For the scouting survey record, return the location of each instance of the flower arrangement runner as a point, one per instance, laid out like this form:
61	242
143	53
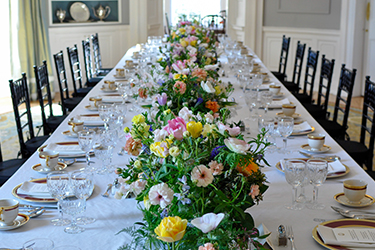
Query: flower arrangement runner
193	173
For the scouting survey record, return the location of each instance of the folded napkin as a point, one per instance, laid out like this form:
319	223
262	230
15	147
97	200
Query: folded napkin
304	126
329	236
91	120
66	149
336	167
39	190
111	98
278	103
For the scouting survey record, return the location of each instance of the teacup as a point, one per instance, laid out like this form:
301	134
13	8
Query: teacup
8	211
75	126
135	54
289	109
316	141
120	72
129	64
94	101
355	190
109	85
275	89
249	58
256	67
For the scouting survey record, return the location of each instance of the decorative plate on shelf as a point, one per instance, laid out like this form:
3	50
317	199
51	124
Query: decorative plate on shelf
79	12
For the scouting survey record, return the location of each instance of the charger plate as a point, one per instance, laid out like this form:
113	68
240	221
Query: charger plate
338	224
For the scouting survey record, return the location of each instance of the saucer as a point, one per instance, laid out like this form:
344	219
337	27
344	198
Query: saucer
21	220
366	201
295	115
89	107
280	95
119	77
38	168
108	90
307	148
69	133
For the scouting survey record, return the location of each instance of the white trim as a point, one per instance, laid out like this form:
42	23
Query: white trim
301	30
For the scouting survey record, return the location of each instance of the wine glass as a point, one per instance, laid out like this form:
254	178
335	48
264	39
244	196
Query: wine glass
59	186
82	183
295	172
124	90
285	128
317	170
38	244
268	123
251	98
104	112
266	98
86	139
104	154
73	206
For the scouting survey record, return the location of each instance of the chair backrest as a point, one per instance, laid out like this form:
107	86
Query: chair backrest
284	55
96	52
325	81
167	25
44	93
75	67
20	98
342	105
87	59
310	72
368	105
61	77
298	61
214	22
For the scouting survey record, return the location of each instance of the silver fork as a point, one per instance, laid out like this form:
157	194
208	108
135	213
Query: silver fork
289	233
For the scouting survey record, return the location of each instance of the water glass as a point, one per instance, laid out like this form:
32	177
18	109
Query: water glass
86	141
266	98
104	112
73	207
295	172
317	170
104	154
38	244
285	128
251	98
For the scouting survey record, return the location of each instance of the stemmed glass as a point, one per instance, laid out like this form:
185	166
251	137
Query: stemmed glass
104	113
317	170
251	98
104	154
86	139
124	90
58	186
268	123
82	183
295	171
73	206
266	99
285	128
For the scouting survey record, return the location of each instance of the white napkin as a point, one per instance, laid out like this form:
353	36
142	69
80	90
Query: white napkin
328	237
278	103
66	150
262	231
336	167
91	120
111	98
39	190
304	126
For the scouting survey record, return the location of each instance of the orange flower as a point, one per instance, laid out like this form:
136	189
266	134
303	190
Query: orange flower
133	147
142	93
248	169
200	73
214	106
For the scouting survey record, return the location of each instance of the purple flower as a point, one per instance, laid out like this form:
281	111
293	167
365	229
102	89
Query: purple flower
164	213
162	99
199	101
216	151
161	82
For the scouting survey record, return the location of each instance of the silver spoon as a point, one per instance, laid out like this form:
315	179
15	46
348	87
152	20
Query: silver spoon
36	213
68	162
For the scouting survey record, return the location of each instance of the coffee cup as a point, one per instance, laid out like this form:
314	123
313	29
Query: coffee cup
8	211
48	158
289	109
256	67
75	126
109	85
120	72
316	141
355	190
94	101
129	64
135	54
275	89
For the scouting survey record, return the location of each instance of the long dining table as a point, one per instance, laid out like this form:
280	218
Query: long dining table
112	215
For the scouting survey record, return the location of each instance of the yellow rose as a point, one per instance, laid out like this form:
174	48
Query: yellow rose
171	229
208	128
138	119
193	43
217	90
195	128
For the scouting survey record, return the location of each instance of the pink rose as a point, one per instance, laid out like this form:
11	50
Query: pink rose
176	127
200	73
179	87
207	246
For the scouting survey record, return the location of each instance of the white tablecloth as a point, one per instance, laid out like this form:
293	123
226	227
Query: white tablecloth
113	215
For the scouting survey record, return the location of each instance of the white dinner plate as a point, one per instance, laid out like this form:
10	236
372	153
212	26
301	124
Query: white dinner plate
79	12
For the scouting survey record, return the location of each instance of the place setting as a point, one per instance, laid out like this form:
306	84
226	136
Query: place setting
10	218
120	73
109	87
49	161
93	103
354	194
315	144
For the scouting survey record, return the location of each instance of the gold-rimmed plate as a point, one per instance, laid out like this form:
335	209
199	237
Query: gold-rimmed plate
329	176
295	115
20	220
69	133
307	148
304	132
91	108
40	169
339	224
366	201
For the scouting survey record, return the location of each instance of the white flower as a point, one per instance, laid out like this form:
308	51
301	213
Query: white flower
191	49
138	186
203	45
208	222
161	194
160	135
211	67
231	131
185	114
237	145
207	86
174	151
209	117
202	176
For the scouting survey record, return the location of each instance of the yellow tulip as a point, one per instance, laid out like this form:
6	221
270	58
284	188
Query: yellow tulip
138	119
217	90
193	43
195	128
184	43
171	229
160	149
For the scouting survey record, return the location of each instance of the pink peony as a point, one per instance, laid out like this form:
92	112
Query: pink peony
202	175
161	194
133	147
254	191
200	73
176	127
207	246
179	87
216	168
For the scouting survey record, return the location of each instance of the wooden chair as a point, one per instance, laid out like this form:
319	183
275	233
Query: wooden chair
99	70
8	167
20	98
363	151
44	93
68	103
281	74
89	69
75	69
337	129
318	110
310	72
293	86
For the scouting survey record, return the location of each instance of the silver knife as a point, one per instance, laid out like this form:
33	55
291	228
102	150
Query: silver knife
32	206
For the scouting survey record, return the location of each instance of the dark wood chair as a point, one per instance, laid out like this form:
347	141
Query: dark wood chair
8	167
68	103
43	88
293	86
20	98
89	69
216	23
80	89
318	110
310	72
363	151
337	127
99	70
281	74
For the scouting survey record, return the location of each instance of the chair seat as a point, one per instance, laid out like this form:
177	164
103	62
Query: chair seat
54	121
291	86
82	92
93	81
280	76
334	129
71	103
315	111
8	168
303	98
33	144
356	150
